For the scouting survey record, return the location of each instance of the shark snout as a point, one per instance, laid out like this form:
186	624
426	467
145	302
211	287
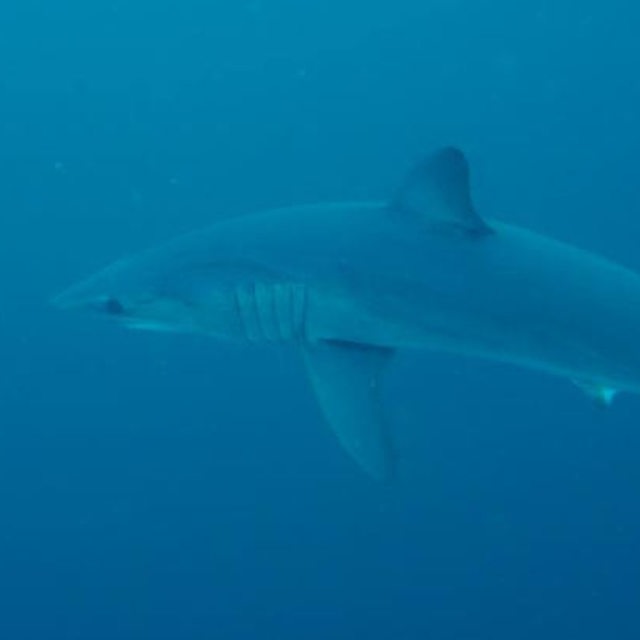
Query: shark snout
64	301
82	297
79	296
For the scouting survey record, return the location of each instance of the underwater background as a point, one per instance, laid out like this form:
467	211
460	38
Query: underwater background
161	486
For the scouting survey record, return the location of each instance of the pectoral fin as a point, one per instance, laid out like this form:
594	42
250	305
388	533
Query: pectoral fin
346	381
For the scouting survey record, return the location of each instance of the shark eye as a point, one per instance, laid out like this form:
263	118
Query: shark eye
113	307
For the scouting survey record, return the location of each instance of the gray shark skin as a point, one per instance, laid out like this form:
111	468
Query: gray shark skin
350	283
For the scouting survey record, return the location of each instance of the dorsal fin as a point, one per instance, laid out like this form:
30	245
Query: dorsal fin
437	190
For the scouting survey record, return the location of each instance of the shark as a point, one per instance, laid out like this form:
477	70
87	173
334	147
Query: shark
348	284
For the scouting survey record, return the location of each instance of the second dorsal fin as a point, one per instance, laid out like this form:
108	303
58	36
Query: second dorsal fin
437	190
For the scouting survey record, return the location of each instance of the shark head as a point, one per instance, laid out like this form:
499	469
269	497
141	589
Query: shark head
133	294
177	288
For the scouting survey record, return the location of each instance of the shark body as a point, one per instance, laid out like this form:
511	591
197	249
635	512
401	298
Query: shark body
350	283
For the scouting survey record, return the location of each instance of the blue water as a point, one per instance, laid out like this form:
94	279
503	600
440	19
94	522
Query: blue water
154	486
